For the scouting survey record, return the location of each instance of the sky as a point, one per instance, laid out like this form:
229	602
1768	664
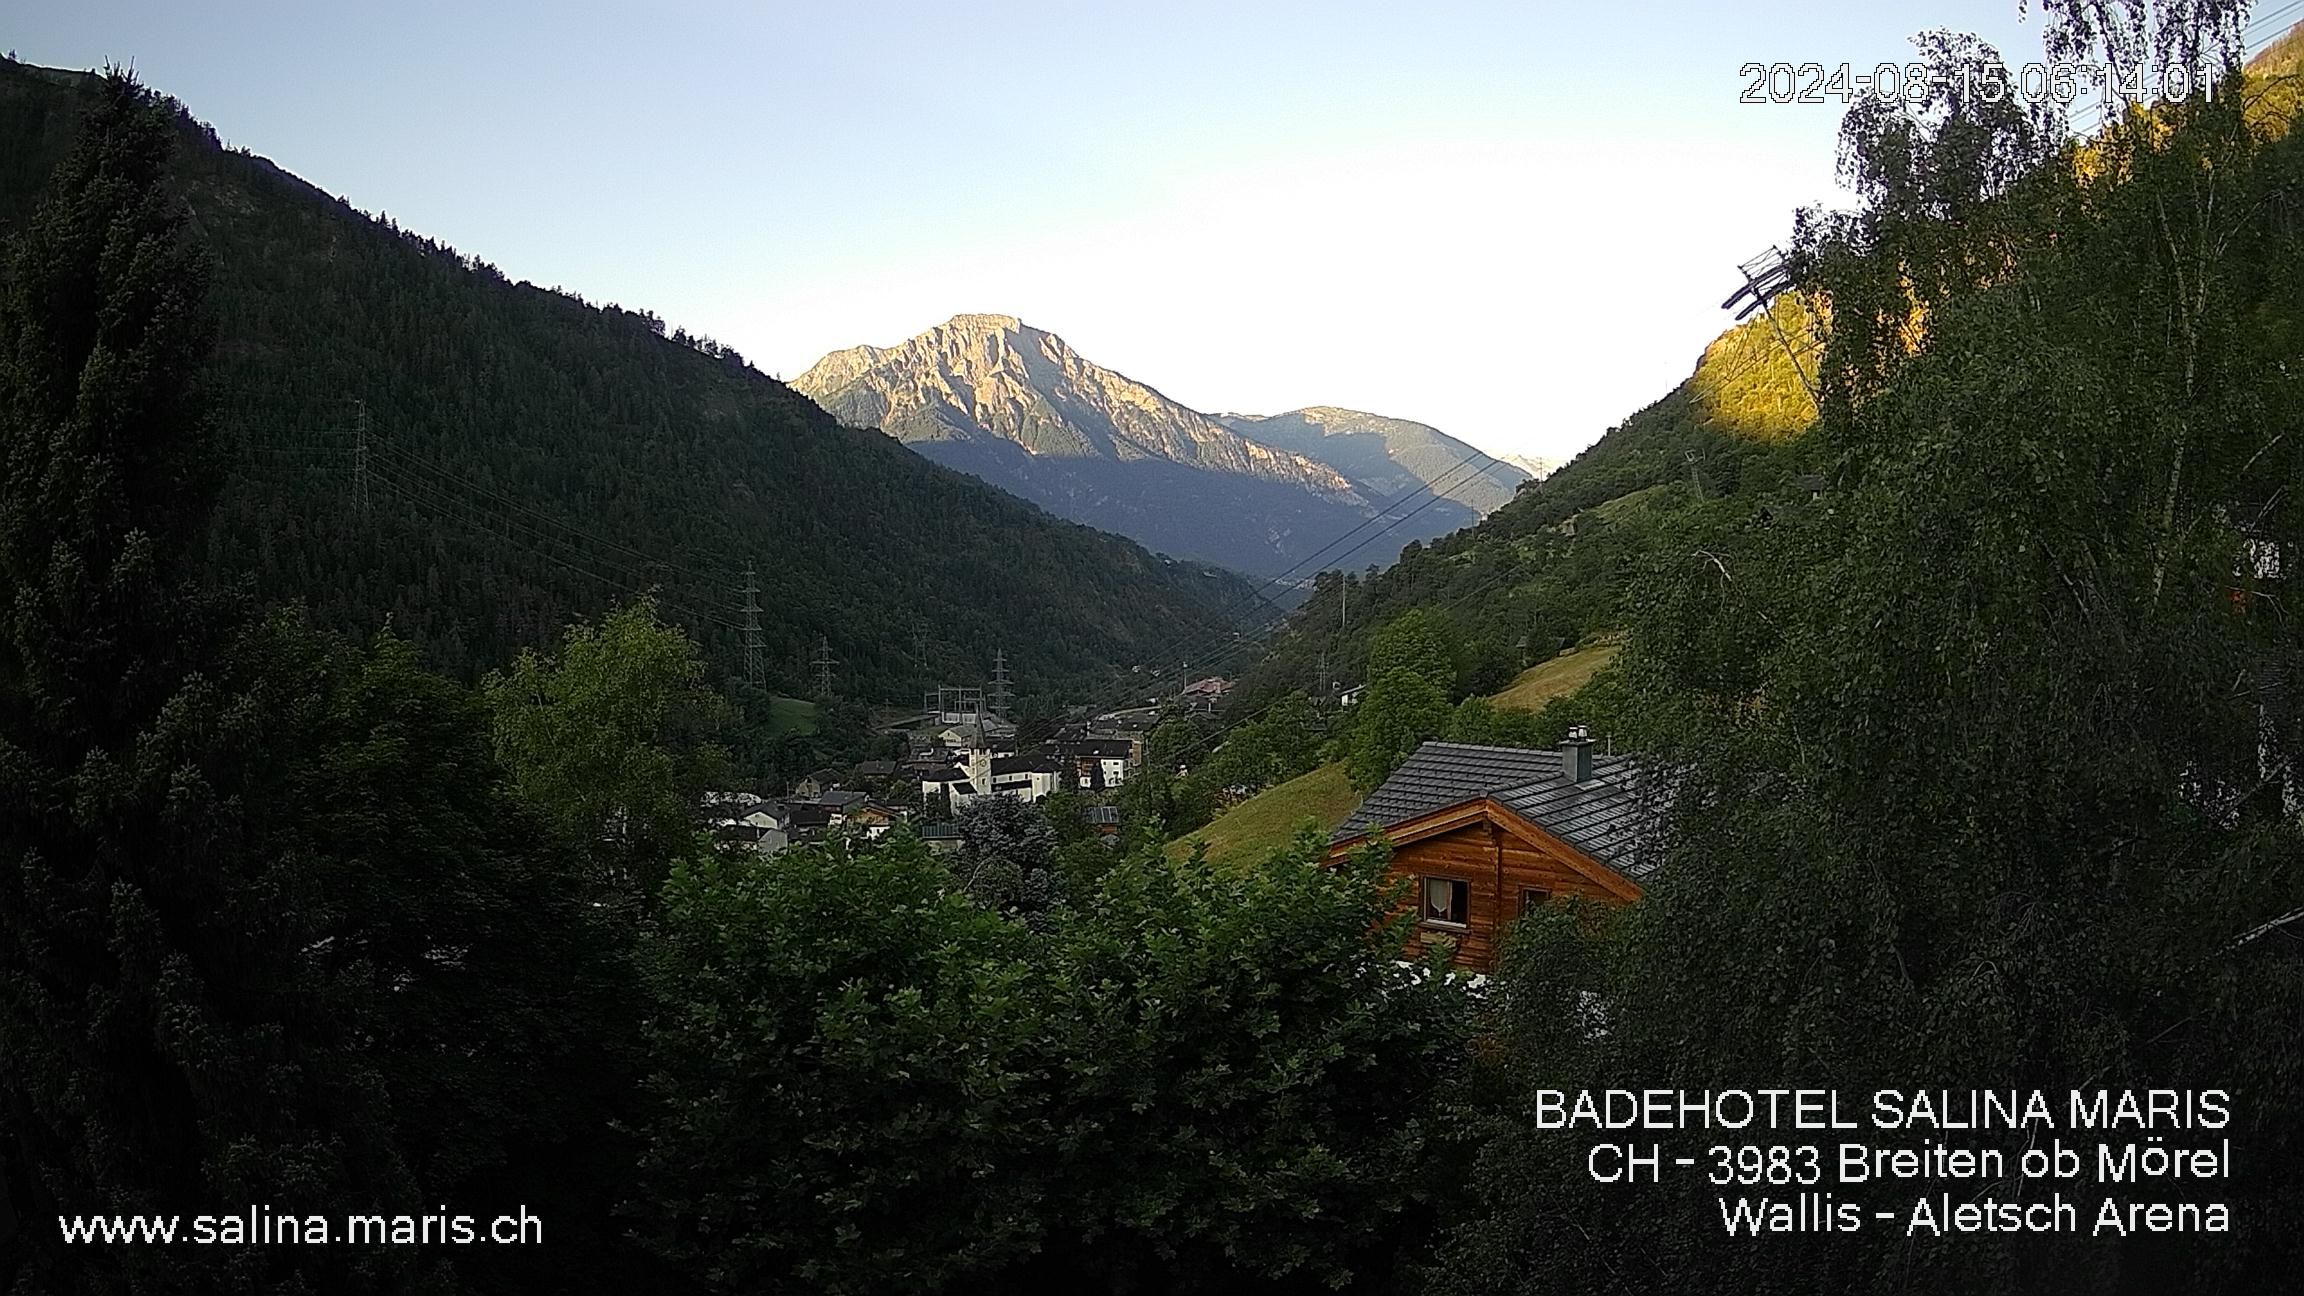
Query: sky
1514	221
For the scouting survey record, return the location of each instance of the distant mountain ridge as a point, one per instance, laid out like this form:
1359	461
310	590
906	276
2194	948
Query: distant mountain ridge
1014	404
994	377
1535	466
1391	455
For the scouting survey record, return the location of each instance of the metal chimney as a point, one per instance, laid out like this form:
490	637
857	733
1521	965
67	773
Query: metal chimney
1576	756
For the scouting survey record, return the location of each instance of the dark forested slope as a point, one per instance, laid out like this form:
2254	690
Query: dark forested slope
531	457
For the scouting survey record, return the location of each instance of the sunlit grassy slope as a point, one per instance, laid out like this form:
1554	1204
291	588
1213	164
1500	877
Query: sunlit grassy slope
1558	677
1268	821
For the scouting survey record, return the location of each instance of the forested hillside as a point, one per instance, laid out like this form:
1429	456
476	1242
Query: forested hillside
1553	566
530	457
1549	568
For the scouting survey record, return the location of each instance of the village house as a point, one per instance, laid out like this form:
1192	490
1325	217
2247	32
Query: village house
874	818
1104	820
1486	834
1204	694
749	820
812	817
1130	719
990	733
1027	778
816	783
1097	764
943	790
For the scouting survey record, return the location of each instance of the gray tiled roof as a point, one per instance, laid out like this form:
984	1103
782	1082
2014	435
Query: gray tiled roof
1444	774
1606	816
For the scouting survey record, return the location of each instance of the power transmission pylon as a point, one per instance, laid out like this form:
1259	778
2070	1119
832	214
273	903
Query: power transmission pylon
755	659
824	662
1765	276
999	694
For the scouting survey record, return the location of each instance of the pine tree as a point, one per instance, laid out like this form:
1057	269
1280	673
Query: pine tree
271	931
137	1074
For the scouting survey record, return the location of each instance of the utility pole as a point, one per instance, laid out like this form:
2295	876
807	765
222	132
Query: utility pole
824	661
360	457
1523	652
1326	688
755	663
1000	693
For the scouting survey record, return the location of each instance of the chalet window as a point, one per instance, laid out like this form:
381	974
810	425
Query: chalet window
1532	899
1447	900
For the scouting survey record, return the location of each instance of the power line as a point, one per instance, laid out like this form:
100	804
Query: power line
375	457
1259	713
385	449
1214	643
434	485
2105	105
509	530
360	459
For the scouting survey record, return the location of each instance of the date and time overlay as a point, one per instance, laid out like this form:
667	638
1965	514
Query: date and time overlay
1917	1163
2068	85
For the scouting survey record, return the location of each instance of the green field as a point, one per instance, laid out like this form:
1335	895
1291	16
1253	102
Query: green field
1268	821
787	715
1558	677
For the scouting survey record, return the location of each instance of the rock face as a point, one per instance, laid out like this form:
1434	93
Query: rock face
996	378
1013	404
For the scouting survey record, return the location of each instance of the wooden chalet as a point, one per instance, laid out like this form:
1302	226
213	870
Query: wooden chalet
1486	834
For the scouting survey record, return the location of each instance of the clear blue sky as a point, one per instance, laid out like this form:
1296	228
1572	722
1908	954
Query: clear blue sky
1515	221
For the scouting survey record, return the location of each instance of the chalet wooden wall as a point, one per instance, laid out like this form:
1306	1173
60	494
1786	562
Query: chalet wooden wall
1497	855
